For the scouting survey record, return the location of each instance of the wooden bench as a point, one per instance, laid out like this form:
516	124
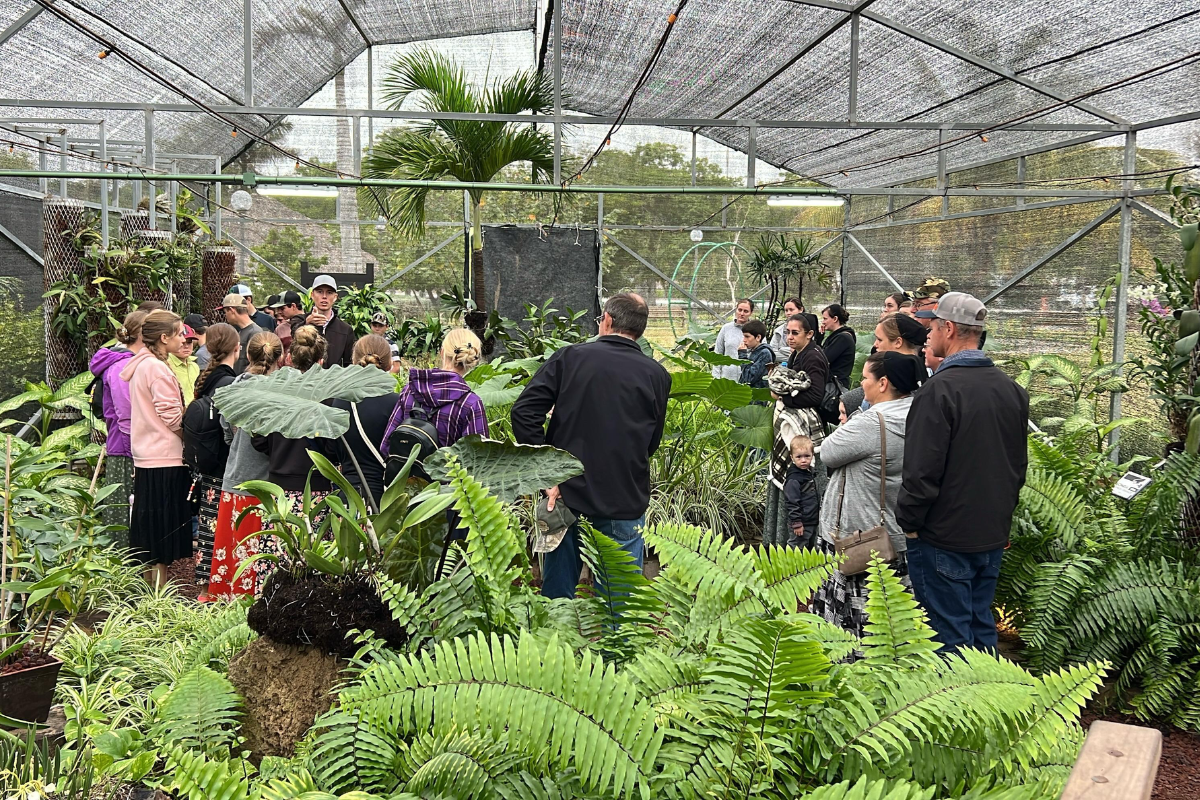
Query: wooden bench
1117	762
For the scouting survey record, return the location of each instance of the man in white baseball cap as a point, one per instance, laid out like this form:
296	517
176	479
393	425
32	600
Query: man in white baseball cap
339	336
964	464
262	319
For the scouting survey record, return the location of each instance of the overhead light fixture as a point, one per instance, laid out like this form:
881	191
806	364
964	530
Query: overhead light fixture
696	235
241	201
827	201
298	191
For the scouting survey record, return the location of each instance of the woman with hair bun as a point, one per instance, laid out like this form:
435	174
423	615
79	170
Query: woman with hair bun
450	404
235	542
160	530
118	460
368	420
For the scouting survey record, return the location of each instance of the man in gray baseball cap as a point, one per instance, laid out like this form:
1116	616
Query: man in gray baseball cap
964	464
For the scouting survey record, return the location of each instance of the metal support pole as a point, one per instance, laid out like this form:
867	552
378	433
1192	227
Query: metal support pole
845	236
43	183
217	191
724	209
693	160
62	160
852	114
600	237
103	186
1020	201
370	94
356	143
751	152
174	195
148	159
1122	301
468	231
941	168
248	51
557	77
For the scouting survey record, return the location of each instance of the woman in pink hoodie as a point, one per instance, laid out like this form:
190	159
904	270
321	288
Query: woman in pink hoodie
161	528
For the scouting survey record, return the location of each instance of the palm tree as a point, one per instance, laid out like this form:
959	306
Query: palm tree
465	150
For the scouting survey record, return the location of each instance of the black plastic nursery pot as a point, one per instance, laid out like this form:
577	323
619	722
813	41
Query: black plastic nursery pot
27	694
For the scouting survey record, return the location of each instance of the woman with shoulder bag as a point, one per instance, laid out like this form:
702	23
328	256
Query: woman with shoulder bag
798	390
858	511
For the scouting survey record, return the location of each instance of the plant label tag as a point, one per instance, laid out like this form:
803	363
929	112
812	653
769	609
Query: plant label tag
1130	485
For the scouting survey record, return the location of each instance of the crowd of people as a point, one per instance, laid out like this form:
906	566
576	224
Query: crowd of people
897	466
180	464
888	464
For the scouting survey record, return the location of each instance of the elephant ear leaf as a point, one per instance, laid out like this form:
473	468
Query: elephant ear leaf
507	470
291	402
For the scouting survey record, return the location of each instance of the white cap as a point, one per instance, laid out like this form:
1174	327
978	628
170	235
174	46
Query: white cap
324	280
242	289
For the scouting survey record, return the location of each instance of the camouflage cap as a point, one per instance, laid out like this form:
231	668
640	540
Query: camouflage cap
932	287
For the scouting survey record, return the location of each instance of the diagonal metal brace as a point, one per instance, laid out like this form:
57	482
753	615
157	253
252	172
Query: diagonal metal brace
427	254
874	262
660	274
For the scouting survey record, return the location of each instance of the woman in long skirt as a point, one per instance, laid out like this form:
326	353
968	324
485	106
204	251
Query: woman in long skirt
160	531
234	543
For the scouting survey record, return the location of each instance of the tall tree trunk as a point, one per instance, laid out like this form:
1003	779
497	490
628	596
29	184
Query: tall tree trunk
351	245
478	284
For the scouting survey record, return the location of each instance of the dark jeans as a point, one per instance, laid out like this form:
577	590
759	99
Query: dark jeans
562	566
956	590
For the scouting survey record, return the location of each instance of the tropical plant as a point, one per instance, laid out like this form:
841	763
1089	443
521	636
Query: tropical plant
466	150
33	766
420	337
1089	576
71	396
543	330
357	306
778	259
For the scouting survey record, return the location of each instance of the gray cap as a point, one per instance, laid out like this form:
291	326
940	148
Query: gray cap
961	309
324	280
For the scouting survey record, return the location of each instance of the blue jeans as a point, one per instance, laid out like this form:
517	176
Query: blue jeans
956	590
562	566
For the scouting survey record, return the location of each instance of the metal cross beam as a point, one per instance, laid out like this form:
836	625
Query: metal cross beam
1062	247
874	262
20	22
251	254
12	237
1156	215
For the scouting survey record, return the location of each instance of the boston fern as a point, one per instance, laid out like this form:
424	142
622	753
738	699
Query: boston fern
1090	577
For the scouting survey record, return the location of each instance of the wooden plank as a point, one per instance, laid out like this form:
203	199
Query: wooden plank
1117	762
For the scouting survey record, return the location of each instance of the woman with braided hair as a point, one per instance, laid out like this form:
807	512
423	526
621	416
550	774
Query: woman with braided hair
224	349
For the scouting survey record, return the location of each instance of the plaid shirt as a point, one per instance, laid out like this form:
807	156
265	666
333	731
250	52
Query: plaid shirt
452	407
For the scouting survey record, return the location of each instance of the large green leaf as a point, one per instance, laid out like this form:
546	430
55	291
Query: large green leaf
689	382
497	391
507	470
754	426
727	394
290	402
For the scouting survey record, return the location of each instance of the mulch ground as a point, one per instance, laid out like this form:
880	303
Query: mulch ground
182	576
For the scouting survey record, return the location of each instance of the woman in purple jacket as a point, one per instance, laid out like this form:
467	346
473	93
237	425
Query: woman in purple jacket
449	403
118	460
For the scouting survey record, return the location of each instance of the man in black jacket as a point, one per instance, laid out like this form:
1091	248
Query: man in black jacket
609	404
964	465
339	336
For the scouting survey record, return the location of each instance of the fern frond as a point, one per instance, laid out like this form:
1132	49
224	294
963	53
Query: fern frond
546	702
200	712
1053	503
837	642
195	777
1055	590
664	680
705	562
790	575
220	638
622	593
868	789
492	542
458	764
404	603
352	752
897	631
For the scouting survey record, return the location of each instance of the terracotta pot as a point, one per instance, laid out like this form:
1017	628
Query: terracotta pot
28	694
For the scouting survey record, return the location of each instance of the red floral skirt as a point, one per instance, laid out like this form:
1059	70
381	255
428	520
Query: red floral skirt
233	544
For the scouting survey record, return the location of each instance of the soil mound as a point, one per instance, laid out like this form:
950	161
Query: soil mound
315	610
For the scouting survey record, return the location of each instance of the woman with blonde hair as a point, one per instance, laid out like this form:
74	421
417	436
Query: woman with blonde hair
442	394
368	422
160	530
106	365
233	543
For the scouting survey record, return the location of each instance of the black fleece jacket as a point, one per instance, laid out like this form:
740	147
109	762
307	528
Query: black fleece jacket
964	458
610	405
839	350
289	461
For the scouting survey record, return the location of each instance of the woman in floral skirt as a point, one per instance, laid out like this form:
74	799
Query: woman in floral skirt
234	543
